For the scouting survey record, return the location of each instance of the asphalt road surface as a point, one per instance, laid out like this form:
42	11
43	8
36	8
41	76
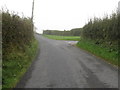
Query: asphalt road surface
60	64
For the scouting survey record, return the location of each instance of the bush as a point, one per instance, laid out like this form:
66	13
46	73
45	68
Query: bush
19	47
103	31
16	31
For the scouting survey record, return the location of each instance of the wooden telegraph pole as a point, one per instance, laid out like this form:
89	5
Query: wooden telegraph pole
32	14
119	7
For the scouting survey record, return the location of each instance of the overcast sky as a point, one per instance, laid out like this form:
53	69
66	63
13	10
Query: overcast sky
61	14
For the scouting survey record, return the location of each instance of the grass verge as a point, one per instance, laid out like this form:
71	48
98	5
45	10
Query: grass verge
16	64
100	51
71	38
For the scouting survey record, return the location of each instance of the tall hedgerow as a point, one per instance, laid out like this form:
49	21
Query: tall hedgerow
16	31
103	30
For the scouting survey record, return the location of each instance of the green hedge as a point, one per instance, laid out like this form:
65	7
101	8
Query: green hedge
103	31
16	31
18	47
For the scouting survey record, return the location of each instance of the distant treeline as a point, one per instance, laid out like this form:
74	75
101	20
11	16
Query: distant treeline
16	31
73	32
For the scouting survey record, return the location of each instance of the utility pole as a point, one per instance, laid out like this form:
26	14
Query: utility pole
119	7
32	14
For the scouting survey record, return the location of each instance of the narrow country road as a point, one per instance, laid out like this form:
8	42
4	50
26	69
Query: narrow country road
61	65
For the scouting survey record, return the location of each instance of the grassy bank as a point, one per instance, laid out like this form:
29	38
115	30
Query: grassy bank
100	51
16	63
71	38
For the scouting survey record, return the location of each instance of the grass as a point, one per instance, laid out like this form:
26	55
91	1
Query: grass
16	63
100	51
0	68
71	38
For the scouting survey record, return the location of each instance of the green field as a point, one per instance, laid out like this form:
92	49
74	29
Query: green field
71	38
16	63
100	51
